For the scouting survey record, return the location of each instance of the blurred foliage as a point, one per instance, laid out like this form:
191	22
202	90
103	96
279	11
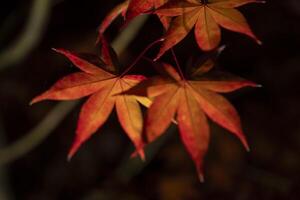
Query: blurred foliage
270	115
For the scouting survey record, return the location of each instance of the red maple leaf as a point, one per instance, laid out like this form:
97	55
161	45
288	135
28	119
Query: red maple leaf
104	86
120	9
137	7
189	101
206	16
131	9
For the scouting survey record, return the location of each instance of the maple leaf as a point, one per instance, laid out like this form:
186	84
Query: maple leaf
104	88
206	16
137	7
120	9
129	10
191	100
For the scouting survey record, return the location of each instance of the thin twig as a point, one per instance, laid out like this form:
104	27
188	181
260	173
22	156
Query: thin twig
140	56
177	63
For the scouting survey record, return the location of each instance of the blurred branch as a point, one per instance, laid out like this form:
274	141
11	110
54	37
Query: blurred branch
128	34
52	120
28	39
37	134
5	192
10	22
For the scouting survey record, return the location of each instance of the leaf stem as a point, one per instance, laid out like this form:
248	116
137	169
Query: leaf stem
140	56
39	133
177	63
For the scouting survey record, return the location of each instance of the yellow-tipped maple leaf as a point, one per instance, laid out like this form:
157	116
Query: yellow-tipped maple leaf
189	101
105	88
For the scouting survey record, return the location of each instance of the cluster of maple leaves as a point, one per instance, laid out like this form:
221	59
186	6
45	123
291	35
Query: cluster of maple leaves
185	99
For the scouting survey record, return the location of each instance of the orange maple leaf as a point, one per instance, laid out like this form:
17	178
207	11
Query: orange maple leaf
191	100
129	10
120	9
137	7
206	16
105	88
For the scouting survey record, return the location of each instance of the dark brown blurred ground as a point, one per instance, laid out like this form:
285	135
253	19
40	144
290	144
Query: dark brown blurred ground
270	115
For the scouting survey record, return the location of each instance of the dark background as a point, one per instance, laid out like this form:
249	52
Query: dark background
102	169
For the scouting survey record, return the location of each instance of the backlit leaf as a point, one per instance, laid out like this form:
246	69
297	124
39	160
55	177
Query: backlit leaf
188	101
206	16
106	90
